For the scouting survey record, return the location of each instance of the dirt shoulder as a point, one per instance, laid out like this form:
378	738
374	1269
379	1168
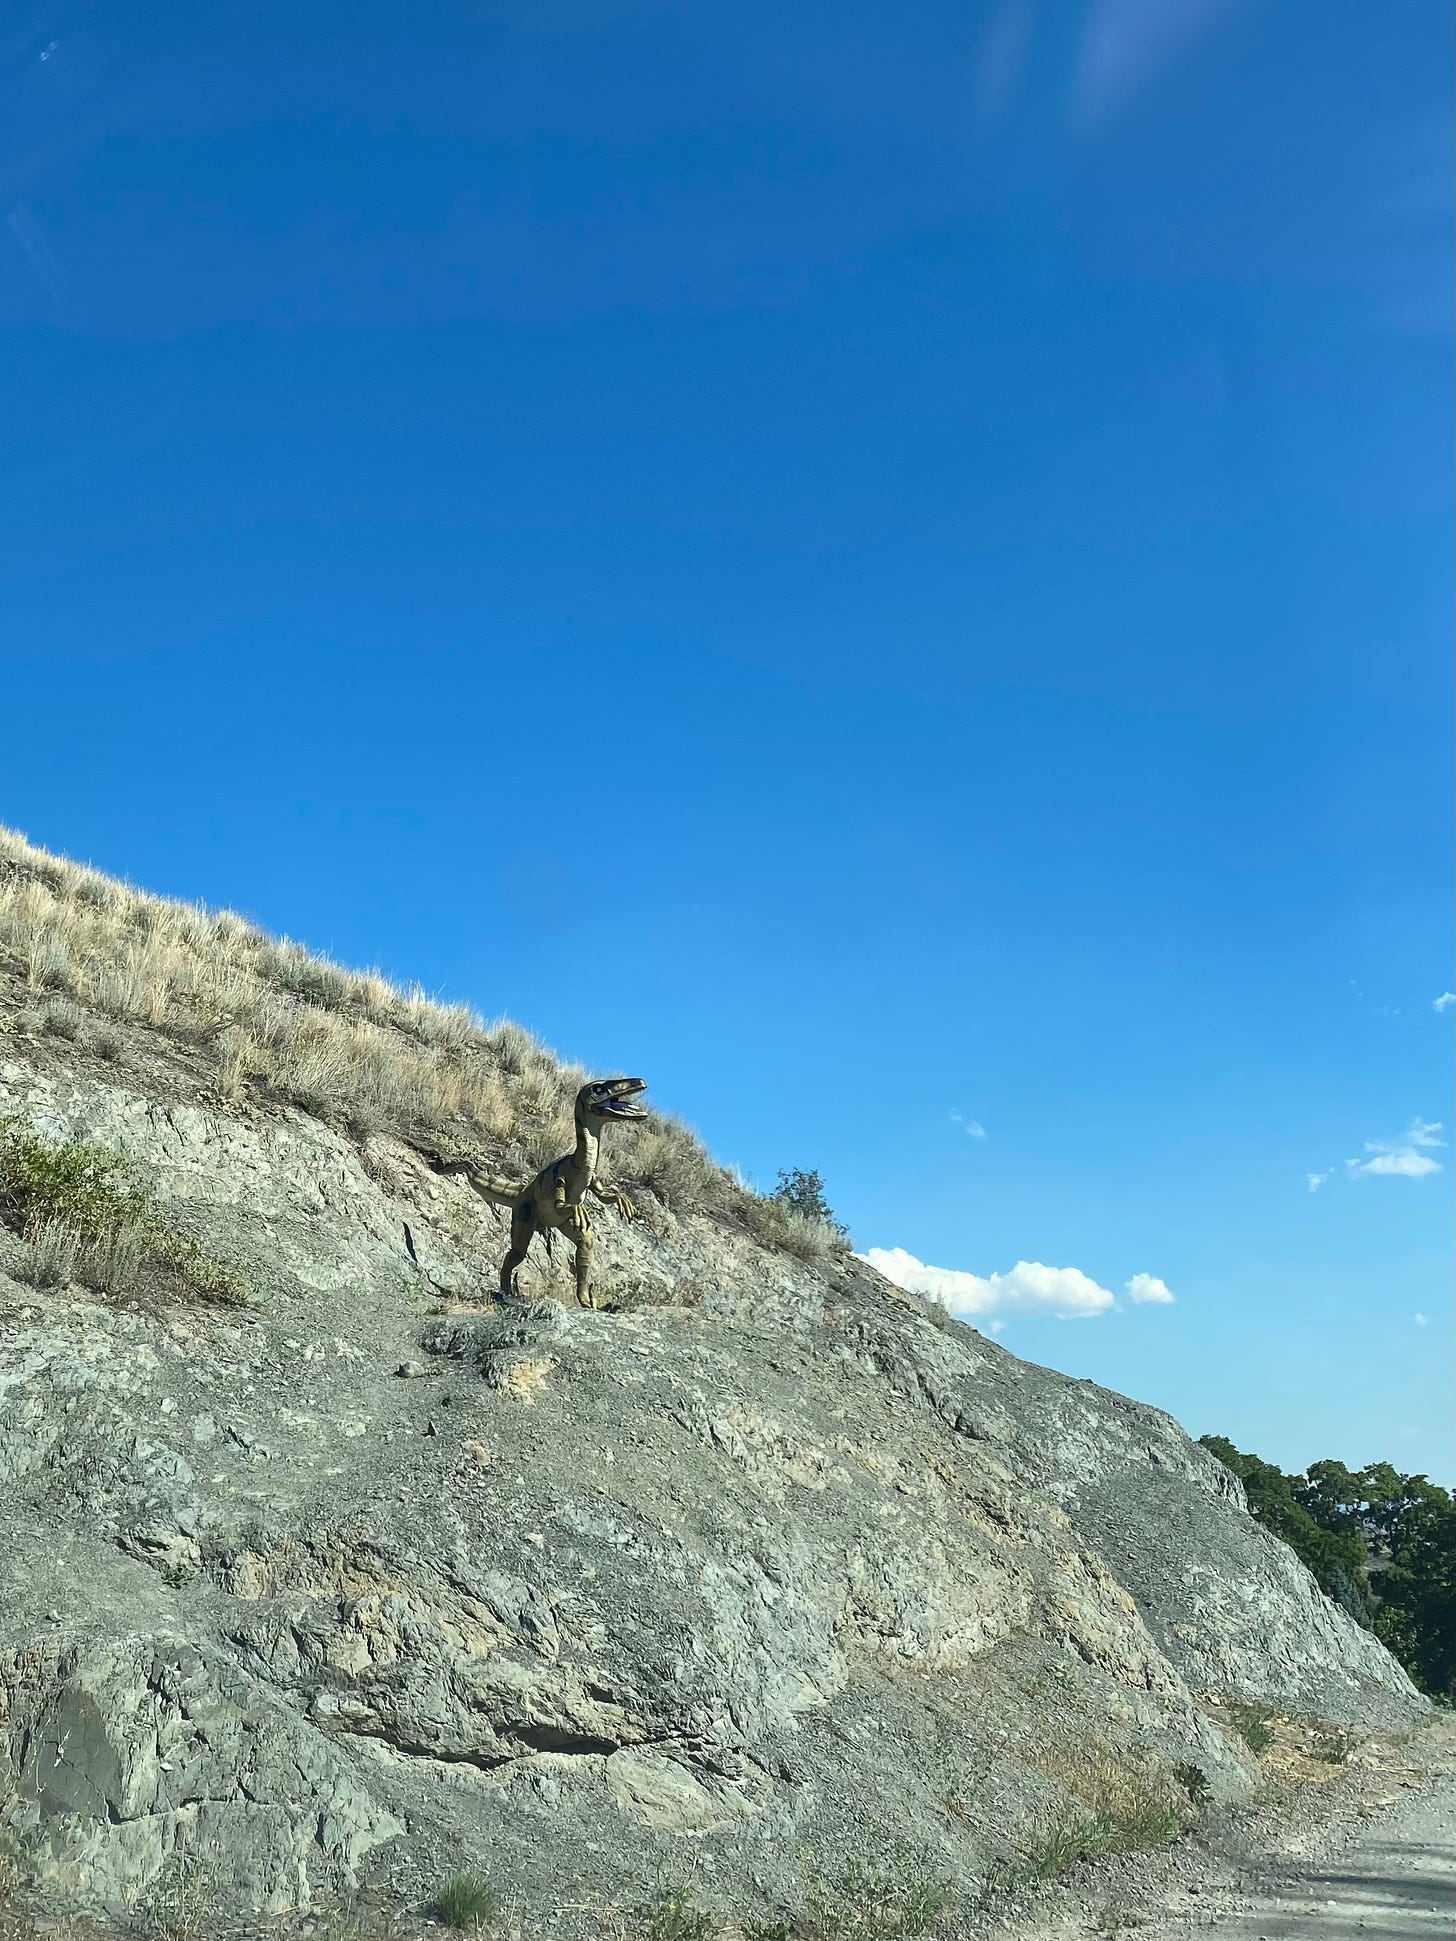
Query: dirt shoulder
1364	1846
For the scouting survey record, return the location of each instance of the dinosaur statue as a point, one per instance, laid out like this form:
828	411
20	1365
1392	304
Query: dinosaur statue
555	1200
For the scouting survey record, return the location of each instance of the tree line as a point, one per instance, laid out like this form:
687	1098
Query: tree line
1379	1544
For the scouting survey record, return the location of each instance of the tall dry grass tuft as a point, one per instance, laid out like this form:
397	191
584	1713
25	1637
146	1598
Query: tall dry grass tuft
279	1022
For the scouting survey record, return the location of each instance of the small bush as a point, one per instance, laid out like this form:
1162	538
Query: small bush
802	1193
54	1249
1194	1781
1251	1722
49	1190
776	1224
467	1902
1332	1744
673	1915
49	966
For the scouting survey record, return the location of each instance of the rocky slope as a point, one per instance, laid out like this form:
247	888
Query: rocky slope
371	1580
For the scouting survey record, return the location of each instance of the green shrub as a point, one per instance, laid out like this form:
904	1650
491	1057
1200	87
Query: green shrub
467	1902
1194	1781
1251	1722
77	1206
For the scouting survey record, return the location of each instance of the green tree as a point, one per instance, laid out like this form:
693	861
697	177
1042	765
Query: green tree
803	1193
1328	1554
1416	1618
1381	1544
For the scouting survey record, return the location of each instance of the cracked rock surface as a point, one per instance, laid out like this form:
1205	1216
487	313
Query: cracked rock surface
347	1592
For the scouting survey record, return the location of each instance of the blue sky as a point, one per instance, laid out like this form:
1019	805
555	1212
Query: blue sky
886	567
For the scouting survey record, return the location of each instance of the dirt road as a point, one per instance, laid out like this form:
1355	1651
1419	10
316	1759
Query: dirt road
1368	1855
1393	1880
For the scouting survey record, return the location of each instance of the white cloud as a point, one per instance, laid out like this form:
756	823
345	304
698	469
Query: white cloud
1444	1001
1314	1181
1147	1287
1127	43
972	1128
1029	1288
1403	1158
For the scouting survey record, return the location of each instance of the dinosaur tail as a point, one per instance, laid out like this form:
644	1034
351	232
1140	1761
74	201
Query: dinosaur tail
498	1191
495	1190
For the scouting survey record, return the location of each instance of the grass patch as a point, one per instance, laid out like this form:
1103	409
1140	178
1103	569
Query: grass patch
1079	1835
894	1897
777	1225
86	1219
280	1023
467	1903
1116	1810
1332	1744
184	1903
1251	1722
671	1914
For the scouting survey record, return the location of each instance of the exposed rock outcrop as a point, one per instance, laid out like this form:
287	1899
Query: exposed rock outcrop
344	1591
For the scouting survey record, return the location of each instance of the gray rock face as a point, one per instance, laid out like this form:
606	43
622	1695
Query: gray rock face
125	1752
342	1592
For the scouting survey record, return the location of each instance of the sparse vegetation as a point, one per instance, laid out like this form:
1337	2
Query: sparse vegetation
672	1914
779	1225
467	1903
278	1022
1251	1722
183	1904
802	1194
1194	1781
628	1297
1117	1810
1076	1836
894	1897
84	1218
1332	1744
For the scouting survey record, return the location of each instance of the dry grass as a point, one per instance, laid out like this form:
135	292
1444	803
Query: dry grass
1115	1809
280	1023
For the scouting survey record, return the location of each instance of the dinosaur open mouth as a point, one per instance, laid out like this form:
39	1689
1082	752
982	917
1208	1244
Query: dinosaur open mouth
619	1104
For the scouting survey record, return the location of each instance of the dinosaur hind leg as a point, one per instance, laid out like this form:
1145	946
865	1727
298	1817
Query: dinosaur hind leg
583	1242
522	1227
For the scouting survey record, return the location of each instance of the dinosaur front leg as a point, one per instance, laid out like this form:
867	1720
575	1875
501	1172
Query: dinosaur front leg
615	1197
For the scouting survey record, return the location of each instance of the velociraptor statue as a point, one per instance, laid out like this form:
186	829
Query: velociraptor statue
555	1200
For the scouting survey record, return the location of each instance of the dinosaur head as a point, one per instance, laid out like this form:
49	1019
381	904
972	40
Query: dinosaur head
610	1098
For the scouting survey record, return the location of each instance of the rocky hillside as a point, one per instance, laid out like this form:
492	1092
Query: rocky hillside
326	1575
